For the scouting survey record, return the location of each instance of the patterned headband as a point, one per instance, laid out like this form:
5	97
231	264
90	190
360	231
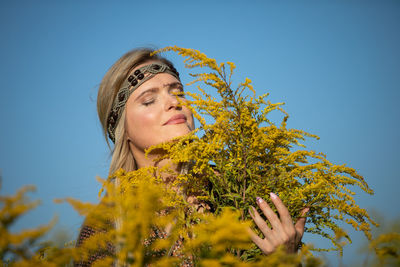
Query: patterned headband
138	77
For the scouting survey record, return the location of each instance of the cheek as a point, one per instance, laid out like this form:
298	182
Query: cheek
139	123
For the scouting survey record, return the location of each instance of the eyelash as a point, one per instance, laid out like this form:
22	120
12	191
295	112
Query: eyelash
147	103
180	93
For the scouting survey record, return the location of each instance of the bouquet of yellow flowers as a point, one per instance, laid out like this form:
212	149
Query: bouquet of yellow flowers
242	154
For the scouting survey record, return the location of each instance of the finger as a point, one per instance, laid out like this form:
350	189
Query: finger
168	229
263	244
255	238
261	224
284	214
301	222
269	213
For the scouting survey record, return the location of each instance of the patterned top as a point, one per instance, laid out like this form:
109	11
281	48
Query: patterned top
85	233
175	251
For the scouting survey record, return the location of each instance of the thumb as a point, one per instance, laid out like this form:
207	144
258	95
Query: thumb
301	222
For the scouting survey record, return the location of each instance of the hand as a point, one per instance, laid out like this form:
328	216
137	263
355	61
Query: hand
283	231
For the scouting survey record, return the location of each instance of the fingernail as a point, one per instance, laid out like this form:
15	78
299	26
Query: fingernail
259	200
273	196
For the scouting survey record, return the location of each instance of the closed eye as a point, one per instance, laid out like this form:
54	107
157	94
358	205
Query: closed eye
148	102
178	92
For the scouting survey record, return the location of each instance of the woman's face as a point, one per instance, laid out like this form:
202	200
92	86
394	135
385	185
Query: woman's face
153	113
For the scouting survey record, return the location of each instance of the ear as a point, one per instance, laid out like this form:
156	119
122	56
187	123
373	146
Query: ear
192	127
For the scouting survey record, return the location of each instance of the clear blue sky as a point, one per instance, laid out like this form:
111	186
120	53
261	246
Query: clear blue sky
336	65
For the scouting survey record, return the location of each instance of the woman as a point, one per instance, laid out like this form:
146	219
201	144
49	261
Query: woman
138	107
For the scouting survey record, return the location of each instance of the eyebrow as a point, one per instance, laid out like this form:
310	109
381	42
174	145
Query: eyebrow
155	89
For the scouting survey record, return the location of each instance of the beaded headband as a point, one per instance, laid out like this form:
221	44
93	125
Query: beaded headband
133	81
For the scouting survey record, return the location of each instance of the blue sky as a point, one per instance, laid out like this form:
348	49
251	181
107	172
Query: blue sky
336	65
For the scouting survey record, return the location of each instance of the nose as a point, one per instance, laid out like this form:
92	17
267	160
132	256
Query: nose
172	102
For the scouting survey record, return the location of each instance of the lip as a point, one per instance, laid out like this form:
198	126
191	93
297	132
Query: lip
176	119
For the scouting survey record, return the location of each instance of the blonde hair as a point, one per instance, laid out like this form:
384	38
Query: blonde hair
112	81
